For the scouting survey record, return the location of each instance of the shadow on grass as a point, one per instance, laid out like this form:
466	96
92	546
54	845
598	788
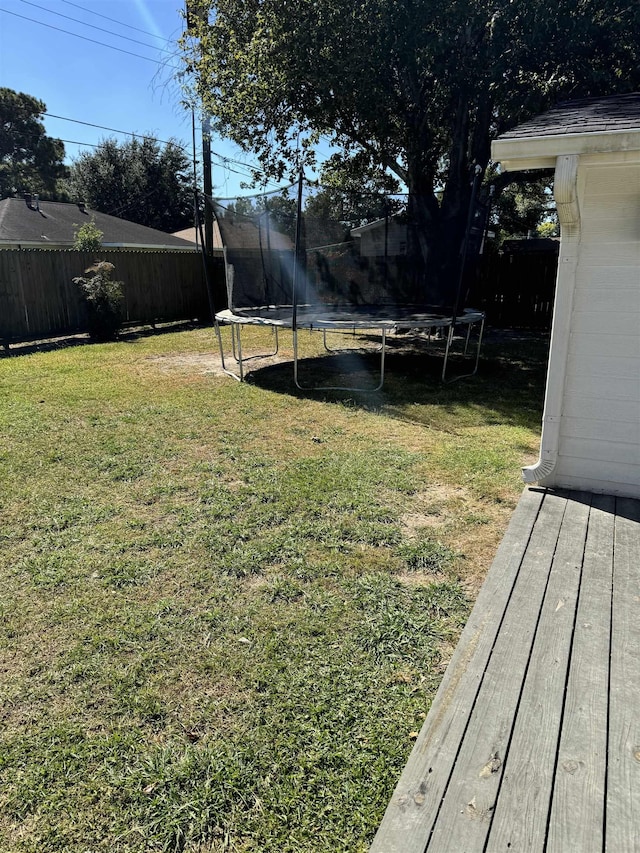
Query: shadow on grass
12	349
508	388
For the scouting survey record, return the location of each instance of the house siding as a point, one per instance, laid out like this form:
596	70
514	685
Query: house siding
377	242
599	446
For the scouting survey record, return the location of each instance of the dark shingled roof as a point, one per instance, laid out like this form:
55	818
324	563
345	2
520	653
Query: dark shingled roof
53	223
588	115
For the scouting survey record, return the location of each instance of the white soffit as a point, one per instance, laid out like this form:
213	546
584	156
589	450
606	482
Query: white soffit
540	152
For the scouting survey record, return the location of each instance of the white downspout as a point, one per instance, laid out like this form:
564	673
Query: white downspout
566	195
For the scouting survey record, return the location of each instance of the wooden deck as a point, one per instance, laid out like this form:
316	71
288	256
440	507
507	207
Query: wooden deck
533	740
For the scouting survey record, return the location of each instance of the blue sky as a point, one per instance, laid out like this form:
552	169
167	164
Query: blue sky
73	65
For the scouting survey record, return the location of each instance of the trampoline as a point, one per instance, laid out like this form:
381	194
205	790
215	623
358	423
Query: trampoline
291	265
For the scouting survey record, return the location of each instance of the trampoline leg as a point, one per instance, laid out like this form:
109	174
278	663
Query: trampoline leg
274	332
240	362
475	369
225	369
236	349
383	349
446	351
466	343
233	344
477	358
295	359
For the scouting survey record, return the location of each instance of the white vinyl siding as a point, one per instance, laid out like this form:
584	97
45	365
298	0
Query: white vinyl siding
599	447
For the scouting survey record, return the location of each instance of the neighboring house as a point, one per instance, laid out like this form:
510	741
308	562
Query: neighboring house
591	422
193	236
382	238
31	223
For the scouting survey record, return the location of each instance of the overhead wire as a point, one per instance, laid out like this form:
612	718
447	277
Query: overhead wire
116	211
76	142
94	26
164	64
115	130
224	159
113	20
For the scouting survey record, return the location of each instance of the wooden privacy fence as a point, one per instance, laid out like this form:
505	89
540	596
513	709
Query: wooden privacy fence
516	286
38	298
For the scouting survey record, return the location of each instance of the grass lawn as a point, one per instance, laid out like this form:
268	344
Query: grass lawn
226	608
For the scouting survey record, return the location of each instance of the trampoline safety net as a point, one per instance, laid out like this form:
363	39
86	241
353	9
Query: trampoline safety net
346	253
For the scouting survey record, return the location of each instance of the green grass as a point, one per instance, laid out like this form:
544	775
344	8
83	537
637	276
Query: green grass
226	608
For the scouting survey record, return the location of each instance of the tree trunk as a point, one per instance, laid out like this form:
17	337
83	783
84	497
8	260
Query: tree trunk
435	238
437	226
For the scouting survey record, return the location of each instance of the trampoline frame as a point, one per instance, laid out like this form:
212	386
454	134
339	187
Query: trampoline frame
323	321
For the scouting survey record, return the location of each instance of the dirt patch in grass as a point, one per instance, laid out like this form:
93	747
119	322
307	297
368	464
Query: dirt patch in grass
208	363
196	362
421	579
435	507
456	518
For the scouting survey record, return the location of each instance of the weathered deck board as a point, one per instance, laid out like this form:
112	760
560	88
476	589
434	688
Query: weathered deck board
533	741
577	810
520	818
474	784
623	779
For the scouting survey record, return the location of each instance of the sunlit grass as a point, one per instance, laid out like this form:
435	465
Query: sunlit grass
226	608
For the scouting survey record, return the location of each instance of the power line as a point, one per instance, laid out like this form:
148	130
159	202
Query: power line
222	157
75	142
113	20
93	41
225	160
115	130
94	27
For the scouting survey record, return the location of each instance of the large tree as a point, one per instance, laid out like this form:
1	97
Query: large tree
30	161
141	180
420	86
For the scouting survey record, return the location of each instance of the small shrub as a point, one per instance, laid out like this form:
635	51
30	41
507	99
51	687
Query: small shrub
103	298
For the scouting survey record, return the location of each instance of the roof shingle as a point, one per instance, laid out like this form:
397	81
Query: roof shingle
617	113
55	224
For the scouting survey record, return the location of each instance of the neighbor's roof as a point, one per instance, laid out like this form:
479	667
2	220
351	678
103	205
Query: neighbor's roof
587	126
391	221
193	235
53	223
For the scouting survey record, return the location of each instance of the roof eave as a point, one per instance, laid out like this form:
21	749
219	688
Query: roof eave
151	246
141	247
541	152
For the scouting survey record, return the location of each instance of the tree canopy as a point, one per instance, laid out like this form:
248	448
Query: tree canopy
30	161
417	86
140	180
352	190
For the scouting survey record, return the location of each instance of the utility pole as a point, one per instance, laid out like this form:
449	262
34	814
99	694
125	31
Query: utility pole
194	10
207	185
